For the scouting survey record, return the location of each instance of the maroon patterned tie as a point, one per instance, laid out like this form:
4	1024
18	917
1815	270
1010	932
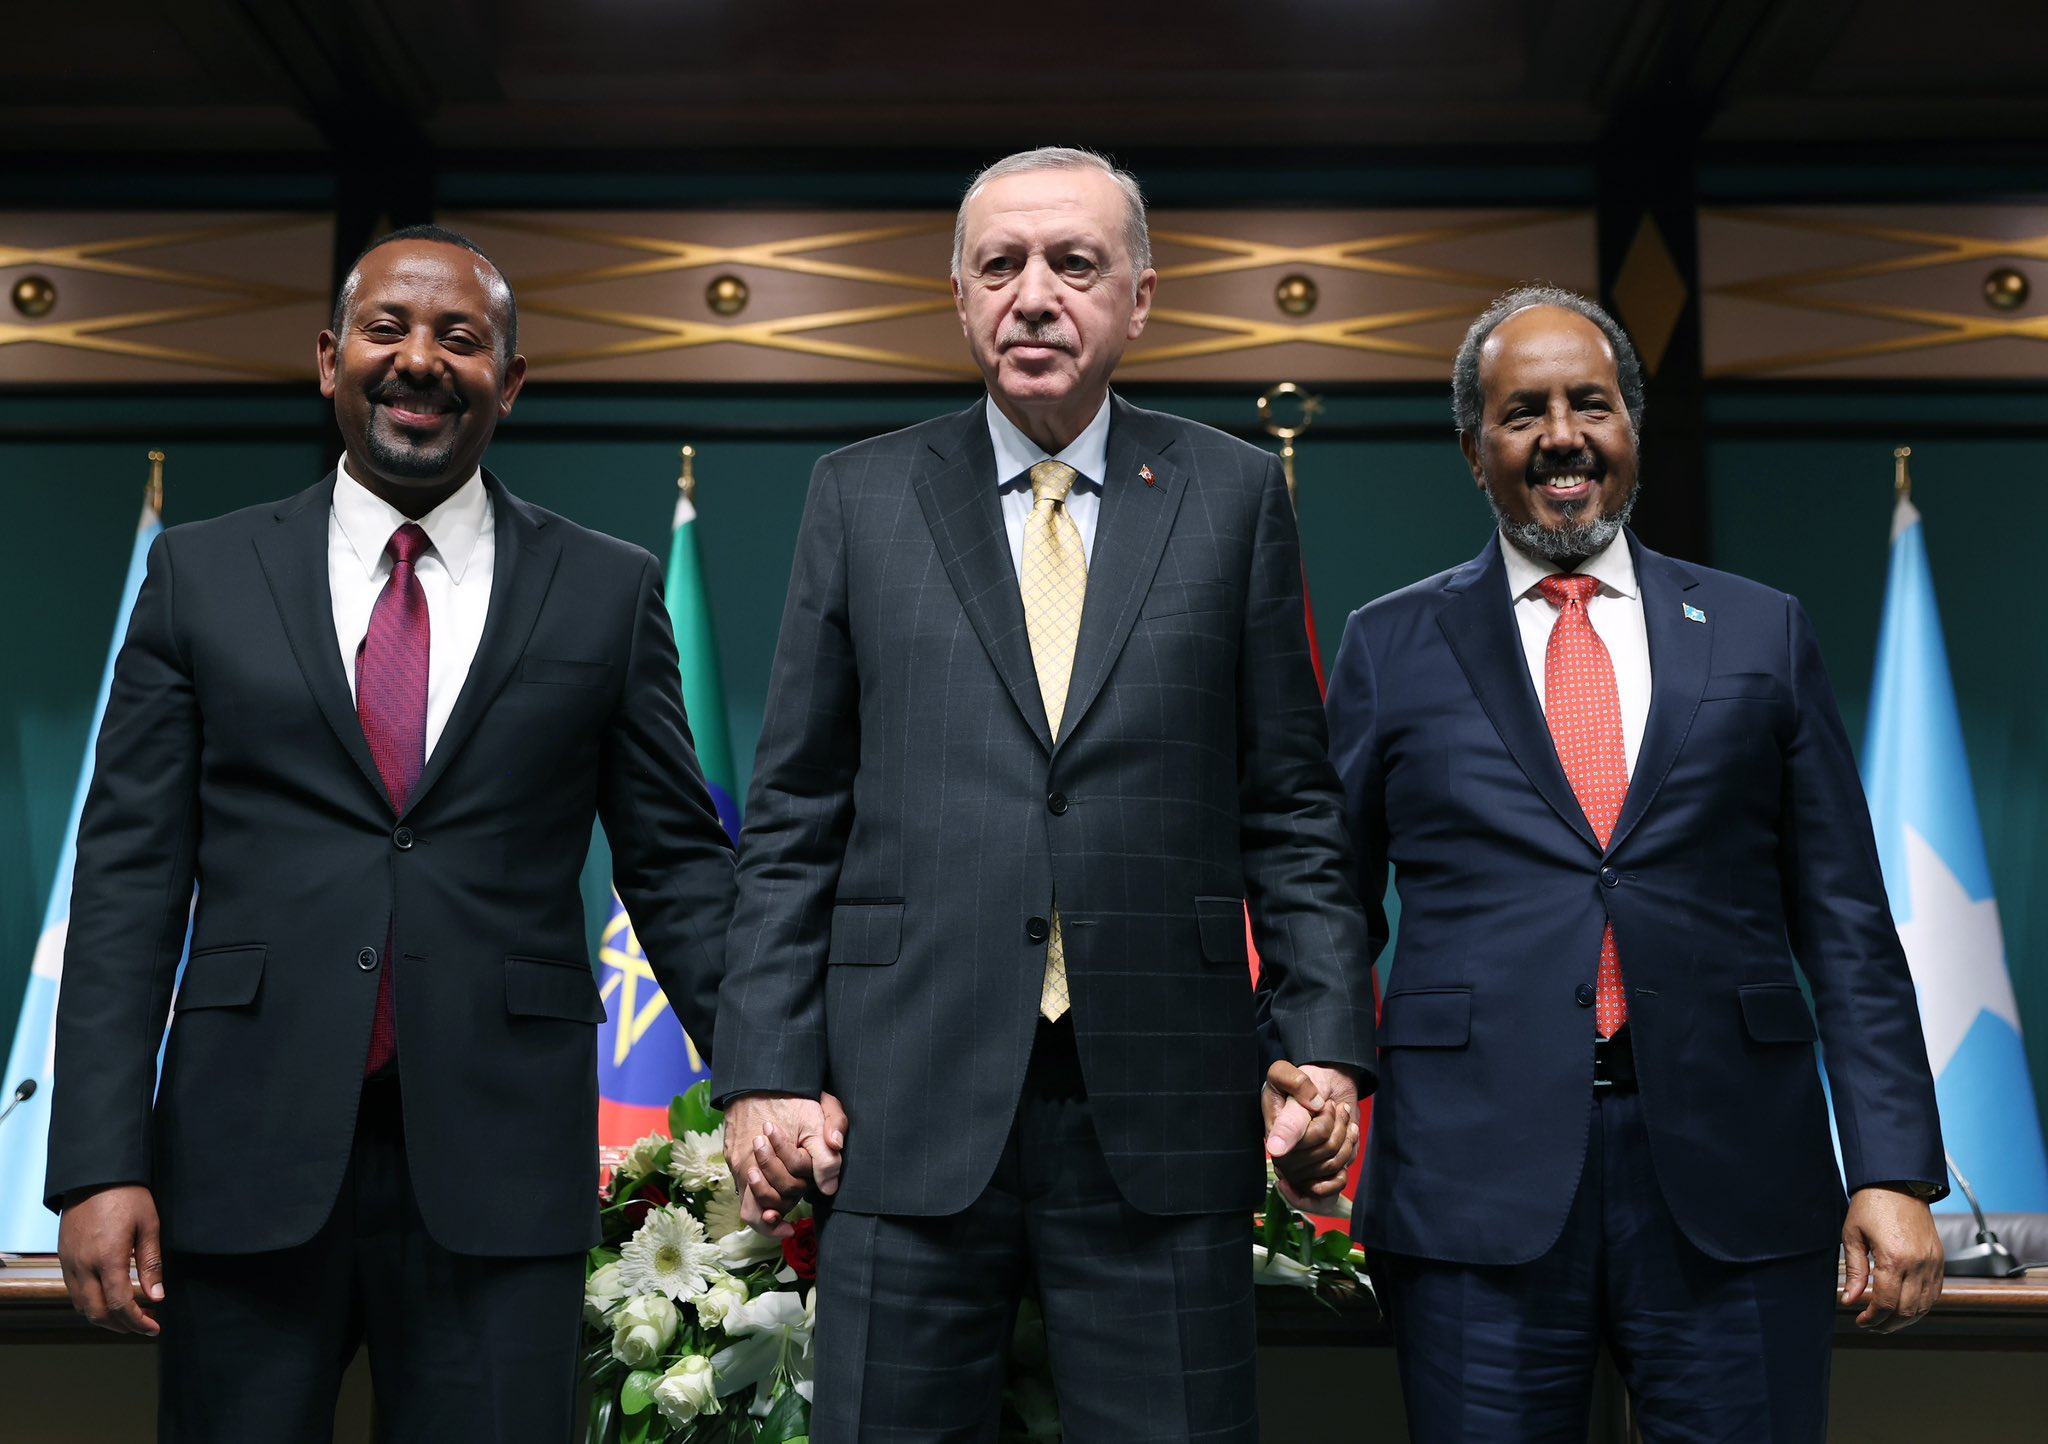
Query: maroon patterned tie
1583	705
391	700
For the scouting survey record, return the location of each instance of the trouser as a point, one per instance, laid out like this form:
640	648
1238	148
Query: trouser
254	1345
1150	1333
1710	1351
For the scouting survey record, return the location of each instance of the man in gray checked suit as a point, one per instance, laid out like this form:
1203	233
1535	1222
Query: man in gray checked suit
1041	723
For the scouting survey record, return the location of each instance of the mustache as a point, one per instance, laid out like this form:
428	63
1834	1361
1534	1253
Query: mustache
393	392
1050	334
1546	464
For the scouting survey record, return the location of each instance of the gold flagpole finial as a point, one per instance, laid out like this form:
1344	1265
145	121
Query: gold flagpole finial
1902	480
687	482
1310	405
155	490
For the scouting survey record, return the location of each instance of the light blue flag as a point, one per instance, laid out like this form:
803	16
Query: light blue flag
1939	880
25	1225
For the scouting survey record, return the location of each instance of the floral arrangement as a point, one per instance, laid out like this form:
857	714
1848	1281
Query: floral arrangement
697	1328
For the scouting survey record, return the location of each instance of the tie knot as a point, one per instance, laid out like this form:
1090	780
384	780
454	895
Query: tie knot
1561	589
1051	481
406	544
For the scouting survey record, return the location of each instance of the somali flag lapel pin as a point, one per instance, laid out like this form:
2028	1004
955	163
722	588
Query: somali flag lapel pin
1694	614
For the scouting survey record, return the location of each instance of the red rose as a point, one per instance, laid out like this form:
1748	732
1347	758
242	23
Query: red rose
651	1196
800	1249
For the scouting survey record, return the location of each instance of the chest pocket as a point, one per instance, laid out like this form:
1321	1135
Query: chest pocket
560	672
1172	599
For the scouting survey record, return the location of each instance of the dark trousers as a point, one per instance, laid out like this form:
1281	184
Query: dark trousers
254	1345
1710	1351
1149	1320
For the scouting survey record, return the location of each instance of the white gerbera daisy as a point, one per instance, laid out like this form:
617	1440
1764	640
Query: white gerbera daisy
722	1210
697	1162
669	1255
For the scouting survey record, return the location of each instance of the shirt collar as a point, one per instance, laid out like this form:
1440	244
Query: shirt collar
1613	566
368	521
1017	453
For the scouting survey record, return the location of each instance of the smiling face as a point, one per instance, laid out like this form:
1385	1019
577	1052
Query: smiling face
1047	295
1554	451
418	374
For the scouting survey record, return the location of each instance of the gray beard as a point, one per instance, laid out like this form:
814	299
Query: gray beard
1569	544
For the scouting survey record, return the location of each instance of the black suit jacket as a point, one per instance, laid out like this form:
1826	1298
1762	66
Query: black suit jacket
231	756
1743	845
912	822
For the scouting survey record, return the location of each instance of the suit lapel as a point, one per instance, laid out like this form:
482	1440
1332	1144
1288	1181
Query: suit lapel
955	485
1479	624
523	567
1680	652
293	555
1130	537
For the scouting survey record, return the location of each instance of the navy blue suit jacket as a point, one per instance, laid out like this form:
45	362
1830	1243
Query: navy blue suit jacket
1744	844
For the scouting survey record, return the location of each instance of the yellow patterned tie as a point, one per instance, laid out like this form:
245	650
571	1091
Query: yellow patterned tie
1055	582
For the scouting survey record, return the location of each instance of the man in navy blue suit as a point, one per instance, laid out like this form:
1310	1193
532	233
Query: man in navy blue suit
1619	804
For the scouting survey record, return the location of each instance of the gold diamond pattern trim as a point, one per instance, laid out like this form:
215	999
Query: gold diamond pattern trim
1938	328
1650	293
805	255
99	333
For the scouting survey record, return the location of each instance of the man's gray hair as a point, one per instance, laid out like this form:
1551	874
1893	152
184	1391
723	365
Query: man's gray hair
1137	238
1466	399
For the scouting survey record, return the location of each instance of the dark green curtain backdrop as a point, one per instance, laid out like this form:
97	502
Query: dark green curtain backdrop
1800	499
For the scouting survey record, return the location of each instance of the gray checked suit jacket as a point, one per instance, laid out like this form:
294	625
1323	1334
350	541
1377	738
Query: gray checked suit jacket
912	822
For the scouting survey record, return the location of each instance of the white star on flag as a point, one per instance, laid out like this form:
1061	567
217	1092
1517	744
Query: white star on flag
1956	950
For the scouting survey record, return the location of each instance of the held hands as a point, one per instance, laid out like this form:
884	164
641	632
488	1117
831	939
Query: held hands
96	1238
1311	1128
778	1145
1894	1259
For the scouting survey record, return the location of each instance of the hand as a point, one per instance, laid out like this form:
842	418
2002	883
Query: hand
778	1145
1894	1259
1311	1128
96	1239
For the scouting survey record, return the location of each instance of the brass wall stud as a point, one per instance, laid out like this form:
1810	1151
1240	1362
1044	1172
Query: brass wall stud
726	295
2006	289
1296	294
35	296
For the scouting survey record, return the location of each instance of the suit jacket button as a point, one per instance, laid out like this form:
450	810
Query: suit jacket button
1584	994
366	959
1037	930
1610	877
402	839
1056	804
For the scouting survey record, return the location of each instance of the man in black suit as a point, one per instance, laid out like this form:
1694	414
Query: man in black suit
1041	723
373	723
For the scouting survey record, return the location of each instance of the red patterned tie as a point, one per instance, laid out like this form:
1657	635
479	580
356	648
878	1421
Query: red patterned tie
1584	708
391	700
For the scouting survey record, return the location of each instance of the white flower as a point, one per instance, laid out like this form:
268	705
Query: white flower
769	1332
722	1209
743	1248
698	1162
686	1390
645	1326
669	1256
778	1312
716	1303
1280	1268
640	1158
601	1291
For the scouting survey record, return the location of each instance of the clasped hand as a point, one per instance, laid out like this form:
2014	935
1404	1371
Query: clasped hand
779	1146
1311	1114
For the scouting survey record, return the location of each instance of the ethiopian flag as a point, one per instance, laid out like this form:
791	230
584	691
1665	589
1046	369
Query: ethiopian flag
643	1056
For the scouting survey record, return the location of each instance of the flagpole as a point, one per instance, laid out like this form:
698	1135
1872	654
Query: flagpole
687	482
153	494
1902	480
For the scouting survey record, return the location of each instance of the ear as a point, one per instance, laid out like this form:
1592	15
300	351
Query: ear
1468	442
326	351
1141	309
515	382
960	305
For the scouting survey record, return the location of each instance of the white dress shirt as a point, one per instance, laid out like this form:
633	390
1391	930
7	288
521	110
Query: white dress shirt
454	573
1017	453
1616	612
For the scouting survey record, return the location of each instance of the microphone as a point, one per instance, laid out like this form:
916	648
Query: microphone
23	1091
1987	1258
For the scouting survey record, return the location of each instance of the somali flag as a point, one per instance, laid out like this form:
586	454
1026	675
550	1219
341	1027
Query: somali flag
1939	881
643	1057
25	1225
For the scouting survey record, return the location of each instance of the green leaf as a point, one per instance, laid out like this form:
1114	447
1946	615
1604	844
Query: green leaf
599	1257
1333	1250
692	1112
1274	1234
641	1430
789	1418
636	1395
603	1408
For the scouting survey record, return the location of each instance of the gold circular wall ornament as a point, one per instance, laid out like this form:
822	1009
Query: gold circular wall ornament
34	296
2006	289
726	295
1296	294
